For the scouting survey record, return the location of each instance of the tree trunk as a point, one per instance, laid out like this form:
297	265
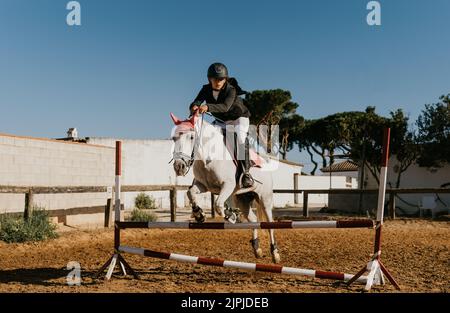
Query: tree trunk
322	154
311	156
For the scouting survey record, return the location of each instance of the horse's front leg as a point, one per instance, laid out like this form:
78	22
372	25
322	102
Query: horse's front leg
193	191
225	192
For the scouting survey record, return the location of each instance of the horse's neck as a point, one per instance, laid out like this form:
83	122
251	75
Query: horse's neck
211	141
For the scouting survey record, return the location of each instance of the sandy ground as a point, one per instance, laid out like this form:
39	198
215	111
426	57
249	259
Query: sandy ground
417	252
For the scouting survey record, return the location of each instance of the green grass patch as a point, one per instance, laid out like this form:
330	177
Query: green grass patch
138	215
144	202
36	228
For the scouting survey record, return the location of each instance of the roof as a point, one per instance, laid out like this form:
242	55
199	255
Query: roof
62	140
283	161
290	162
346	166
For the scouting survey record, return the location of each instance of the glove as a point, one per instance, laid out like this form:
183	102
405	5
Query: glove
194	108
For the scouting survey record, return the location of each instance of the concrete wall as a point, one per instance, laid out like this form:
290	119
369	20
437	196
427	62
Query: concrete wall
323	182
350	203
26	161
416	177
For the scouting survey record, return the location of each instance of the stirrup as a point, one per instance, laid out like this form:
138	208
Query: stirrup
242	190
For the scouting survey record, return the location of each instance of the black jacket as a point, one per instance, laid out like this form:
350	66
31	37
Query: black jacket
228	106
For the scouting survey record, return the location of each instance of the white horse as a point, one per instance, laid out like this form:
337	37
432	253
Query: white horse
215	171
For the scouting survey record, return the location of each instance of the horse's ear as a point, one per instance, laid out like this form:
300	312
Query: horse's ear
175	119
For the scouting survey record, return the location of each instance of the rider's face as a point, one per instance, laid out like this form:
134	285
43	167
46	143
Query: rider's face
217	83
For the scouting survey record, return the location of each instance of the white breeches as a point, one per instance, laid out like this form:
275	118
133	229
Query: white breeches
241	126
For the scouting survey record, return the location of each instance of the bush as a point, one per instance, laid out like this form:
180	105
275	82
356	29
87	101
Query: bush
138	215
144	202
38	227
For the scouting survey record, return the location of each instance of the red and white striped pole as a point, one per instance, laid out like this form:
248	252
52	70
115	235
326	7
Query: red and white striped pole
116	254
271	268
382	191
375	267
358	223
117	194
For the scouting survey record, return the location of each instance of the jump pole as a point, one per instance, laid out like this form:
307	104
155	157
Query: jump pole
270	268
375	268
117	257
359	223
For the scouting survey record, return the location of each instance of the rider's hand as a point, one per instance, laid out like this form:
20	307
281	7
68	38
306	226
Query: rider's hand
203	108
194	108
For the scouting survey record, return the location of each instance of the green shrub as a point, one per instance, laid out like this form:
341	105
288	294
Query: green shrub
138	215
38	227
144	202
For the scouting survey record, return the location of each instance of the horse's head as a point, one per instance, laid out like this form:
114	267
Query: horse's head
184	140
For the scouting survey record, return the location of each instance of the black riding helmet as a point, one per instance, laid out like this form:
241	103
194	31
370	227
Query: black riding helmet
217	70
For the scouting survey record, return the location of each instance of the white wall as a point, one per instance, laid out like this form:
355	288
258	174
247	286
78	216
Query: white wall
26	161
416	177
323	182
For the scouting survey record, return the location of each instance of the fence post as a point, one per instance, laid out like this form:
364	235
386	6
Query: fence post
392	205
173	204
213	212
305	203
295	188
109	209
28	205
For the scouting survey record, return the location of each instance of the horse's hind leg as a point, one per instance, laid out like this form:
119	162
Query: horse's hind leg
266	204
192	193
244	204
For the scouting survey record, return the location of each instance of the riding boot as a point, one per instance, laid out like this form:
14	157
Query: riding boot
246	179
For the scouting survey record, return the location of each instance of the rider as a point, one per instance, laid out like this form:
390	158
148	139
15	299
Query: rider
223	102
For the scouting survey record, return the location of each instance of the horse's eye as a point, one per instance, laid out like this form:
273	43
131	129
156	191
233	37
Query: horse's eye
192	137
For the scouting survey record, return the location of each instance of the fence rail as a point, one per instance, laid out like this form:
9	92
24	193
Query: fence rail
29	191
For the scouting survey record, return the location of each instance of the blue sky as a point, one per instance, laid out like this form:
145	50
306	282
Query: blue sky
130	63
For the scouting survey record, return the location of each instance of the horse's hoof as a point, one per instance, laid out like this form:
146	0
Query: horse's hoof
197	213
258	253
200	219
276	257
231	218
